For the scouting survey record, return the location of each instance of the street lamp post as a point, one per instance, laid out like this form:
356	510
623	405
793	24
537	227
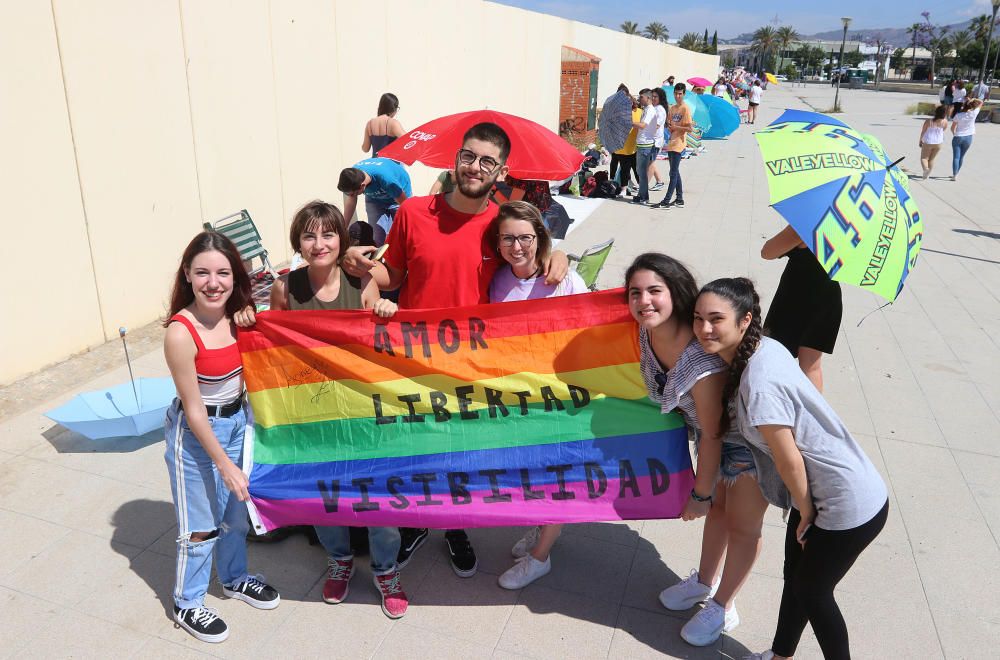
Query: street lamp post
989	40
846	20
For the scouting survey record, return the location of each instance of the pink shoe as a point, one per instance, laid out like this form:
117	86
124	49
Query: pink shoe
335	587
394	601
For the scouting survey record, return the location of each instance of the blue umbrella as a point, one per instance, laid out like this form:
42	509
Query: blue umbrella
724	116
615	121
114	412
699	111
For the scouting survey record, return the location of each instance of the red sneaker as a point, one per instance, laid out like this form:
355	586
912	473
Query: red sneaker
335	588
394	601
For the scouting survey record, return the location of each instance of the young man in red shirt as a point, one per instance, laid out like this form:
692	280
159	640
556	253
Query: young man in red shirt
439	256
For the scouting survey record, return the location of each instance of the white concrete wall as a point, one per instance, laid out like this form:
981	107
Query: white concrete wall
127	123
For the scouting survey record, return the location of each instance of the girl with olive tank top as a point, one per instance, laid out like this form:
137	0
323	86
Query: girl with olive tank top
319	232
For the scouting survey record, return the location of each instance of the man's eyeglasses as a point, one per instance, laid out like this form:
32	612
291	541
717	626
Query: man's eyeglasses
486	164
507	240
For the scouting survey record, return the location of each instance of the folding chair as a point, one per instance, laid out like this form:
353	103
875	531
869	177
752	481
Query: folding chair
589	264
243	232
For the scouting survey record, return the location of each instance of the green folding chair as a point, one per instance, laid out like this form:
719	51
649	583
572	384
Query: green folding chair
240	229
589	264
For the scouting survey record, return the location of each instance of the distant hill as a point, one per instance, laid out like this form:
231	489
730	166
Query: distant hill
894	36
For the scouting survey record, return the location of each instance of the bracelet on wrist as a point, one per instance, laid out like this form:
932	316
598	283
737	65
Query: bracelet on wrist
698	498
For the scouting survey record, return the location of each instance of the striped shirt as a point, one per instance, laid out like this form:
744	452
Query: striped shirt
220	370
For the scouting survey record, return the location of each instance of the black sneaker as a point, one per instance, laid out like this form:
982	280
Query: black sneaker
679	203
463	557
410	538
663	205
203	623
254	591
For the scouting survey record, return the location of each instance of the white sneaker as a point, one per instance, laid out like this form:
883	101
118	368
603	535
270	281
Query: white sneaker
525	571
763	655
687	593
707	625
526	544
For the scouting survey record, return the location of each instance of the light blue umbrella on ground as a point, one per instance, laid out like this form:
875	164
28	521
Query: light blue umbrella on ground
115	412
725	117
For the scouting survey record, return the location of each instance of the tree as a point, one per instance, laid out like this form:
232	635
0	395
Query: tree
810	57
898	60
915	31
630	27
690	41
656	31
704	42
853	59
715	43
960	41
785	36
728	61
764	41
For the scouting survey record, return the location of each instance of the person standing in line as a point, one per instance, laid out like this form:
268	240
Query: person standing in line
645	144
981	91
679	124
805	314
623	160
384	127
839	501
963	127
754	95
720	87
659	99
440	256
205	428
931	138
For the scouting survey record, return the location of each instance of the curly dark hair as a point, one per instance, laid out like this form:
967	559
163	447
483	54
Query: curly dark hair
741	294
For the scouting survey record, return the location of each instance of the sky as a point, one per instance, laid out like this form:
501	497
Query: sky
734	17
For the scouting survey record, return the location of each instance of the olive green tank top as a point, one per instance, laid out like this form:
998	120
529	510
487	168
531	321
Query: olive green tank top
301	295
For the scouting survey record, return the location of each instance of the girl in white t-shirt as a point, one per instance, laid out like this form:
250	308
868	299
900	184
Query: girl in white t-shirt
932	137
756	93
963	127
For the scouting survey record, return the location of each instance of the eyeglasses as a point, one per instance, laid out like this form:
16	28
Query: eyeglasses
486	164
507	240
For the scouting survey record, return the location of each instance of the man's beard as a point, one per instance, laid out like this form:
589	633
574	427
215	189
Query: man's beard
476	190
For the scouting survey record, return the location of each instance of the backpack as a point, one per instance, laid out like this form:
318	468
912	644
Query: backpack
588	187
606	190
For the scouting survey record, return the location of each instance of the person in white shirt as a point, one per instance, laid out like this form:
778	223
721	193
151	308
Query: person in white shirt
958	97
645	143
720	87
963	127
659	101
755	94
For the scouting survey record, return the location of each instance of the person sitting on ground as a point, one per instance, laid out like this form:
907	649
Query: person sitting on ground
385	185
204	430
319	232
521	240
384	127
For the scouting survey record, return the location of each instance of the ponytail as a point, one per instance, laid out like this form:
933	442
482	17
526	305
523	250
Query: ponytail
741	294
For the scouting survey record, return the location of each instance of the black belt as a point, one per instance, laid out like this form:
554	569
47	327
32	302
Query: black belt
225	410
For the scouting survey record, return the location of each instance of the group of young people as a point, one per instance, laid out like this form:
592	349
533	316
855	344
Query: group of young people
765	433
661	126
961	117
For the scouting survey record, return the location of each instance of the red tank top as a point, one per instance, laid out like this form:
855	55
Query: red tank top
220	370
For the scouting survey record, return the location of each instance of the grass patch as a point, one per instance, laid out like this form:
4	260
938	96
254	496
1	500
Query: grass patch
921	108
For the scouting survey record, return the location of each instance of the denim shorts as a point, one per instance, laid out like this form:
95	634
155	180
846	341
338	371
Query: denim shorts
736	460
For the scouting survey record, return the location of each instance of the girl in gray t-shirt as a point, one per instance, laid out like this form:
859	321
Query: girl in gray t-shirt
840	502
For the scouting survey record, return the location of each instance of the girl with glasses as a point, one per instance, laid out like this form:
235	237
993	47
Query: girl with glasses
523	242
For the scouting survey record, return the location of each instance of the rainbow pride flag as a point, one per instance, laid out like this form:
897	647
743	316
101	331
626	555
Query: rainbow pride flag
508	414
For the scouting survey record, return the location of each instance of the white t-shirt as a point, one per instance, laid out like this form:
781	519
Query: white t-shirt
958	95
845	487
719	90
647	136
965	123
980	91
661	120
756	93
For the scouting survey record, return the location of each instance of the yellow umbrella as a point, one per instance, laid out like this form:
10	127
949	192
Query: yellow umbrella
771	79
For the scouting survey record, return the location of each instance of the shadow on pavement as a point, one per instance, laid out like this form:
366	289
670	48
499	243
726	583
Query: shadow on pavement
65	441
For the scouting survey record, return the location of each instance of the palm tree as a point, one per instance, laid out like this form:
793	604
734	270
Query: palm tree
690	41
764	41
630	27
980	27
784	37
958	42
914	31
656	31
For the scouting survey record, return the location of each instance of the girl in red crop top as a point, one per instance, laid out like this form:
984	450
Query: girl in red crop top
204	432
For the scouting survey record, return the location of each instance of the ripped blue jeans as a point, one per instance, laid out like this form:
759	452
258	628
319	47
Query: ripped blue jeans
204	504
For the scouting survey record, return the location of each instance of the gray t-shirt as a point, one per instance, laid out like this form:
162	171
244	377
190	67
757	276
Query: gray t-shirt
846	488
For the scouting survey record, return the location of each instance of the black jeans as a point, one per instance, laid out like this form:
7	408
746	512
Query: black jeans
811	575
627	164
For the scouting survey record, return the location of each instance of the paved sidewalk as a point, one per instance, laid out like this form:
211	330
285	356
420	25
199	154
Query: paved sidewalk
87	563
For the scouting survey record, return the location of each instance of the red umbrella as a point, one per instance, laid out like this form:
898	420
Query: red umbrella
535	152
697	82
